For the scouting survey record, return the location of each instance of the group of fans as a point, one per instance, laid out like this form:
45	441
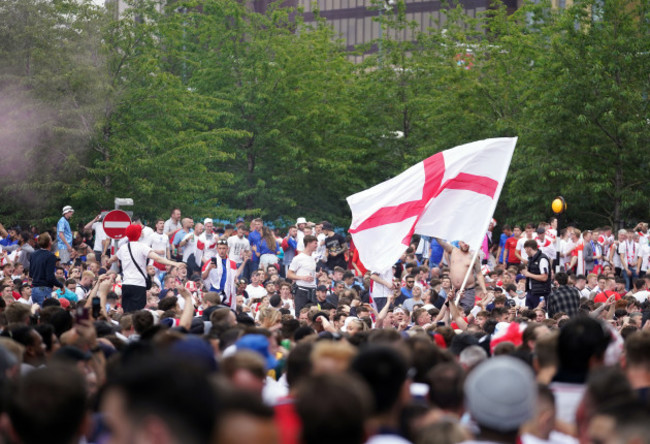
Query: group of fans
243	335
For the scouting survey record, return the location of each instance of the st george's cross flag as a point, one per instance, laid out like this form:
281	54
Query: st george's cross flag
450	195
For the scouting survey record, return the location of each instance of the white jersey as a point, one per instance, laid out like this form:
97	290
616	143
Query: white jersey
206	246
377	290
132	275
304	265
236	246
158	242
100	236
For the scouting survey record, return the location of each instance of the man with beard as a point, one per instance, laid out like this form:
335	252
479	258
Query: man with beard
460	262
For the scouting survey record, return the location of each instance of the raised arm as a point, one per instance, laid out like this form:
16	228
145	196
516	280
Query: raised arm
445	245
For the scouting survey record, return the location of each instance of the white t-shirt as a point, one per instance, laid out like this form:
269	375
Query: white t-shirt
158	242
520	247
641	296
320	251
140	253
300	240
304	265
236	246
190	247
381	291
620	250
255	292
100	236
146	232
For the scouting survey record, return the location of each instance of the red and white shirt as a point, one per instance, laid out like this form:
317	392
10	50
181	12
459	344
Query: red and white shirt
206	246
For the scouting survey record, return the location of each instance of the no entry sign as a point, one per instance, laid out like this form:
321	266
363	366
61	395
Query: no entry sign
115	223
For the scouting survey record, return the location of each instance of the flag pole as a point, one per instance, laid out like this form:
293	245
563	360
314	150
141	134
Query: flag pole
502	181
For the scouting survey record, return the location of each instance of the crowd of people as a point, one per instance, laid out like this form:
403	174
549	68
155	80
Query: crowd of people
187	332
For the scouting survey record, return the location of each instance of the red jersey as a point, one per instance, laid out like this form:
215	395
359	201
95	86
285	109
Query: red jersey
511	247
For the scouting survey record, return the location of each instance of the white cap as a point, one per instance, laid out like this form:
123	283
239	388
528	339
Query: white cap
67	209
207	220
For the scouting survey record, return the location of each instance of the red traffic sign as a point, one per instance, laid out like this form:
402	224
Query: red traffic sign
115	223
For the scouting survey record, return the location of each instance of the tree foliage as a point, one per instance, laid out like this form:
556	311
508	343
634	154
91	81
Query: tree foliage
207	105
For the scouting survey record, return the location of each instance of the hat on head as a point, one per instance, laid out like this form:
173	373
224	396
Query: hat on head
207	220
240	220
67	209
133	232
321	288
541	230
64	303
301	220
258	344
501	393
327	226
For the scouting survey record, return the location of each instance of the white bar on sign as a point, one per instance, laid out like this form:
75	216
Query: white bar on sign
118	224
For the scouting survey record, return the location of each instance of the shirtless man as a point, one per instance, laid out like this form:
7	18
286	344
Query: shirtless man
460	261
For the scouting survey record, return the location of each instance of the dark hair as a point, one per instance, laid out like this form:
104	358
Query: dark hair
171	389
562	278
142	321
340	413
299	363
532	243
167	303
580	339
446	385
48	405
384	369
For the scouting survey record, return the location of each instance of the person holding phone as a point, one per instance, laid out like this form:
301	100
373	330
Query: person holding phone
133	256
220	273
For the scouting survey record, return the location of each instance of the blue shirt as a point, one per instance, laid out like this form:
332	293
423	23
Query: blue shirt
436	253
408	294
255	238
63	227
178	237
502	245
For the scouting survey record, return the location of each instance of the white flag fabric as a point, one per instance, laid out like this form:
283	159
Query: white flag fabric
450	195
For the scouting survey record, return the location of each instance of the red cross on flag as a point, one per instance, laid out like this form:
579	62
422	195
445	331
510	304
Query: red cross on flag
450	195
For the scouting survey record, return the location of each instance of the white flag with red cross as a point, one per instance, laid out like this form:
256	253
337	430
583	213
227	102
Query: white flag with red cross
450	195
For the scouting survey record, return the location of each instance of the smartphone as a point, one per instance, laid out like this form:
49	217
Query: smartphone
96	307
214	260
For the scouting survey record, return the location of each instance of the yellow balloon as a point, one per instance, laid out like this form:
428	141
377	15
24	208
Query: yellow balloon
558	206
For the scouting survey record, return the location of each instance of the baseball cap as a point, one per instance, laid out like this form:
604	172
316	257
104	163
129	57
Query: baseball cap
321	288
327	226
240	220
67	209
501	393
541	230
207	220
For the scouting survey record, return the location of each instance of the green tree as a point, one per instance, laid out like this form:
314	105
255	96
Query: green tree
51	82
